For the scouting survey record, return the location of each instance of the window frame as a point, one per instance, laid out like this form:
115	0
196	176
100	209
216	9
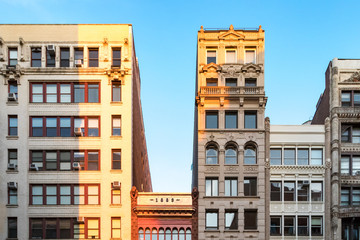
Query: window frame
13	198
249	159
10	59
114	161
207	213
33	59
11	159
321	226
209	157
13	130
115	228
273	159
229	157
249	122
352	102
114	128
350	129
208	61
115	193
115	85
247	214
50	59
235	220
289	192
11	222
277	192
350	196
250	49
293	225
231	114
115	59
277	227
252	189
352	171
93	59
230	183
226	56
208	120
211	186
66	60
300	228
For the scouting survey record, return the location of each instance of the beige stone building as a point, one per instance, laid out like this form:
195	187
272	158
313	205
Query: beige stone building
230	166
72	140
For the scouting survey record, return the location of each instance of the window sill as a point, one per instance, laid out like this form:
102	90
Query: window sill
12	137
212	230
12	205
251	230
116	103
115	205
116	171
12	103
231	230
12	171
115	137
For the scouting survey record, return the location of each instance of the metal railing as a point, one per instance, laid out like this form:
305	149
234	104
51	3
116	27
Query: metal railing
231	90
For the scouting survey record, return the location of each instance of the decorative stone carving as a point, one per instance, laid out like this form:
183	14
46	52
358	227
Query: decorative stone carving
134	225
211	67
2	59
251	68
231	34
116	74
354	78
11	74
195	214
334	70
251	168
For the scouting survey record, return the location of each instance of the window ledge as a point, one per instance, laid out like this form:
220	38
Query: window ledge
11	238
12	103
115	137
231	230
212	230
251	230
12	205
116	171
115	205
12	137
12	171
116	103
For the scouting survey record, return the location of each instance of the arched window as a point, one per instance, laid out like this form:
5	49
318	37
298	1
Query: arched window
154	235
188	234
147	234
250	154
181	234
230	155
212	155
175	235
168	234
161	234
141	234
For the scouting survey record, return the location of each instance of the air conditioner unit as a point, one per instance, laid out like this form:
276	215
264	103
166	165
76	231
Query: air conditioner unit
12	97
76	166
51	49
12	185
11	166
357	173
78	63
80	219
33	167
78	132
116	184
306	182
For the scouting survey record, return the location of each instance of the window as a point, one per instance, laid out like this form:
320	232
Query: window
181	234
231	155
250	219
13	157
93	127
37	93
116	57
78	56
212	220
250	56
161	234
211	56
289	191
64	57
37	126
350	98
211	187
147	234
350	165
289	156
51	127
13	125
211	82
93	57
230	119
211	120
65	93
275	156
303	226
12	227
65	195
116	126
250	186
36	57
116	159
250	155
231	219
275	194
12	195
51	93
51	160
65	127
175	235
116	92
316	226
141	234
79	92
93	93
289	225
13	88
13	57
211	155
50	58
303	191
188	234
168	234
116	227
51	195
250	82
92	160
230	56
350	196
231	82
316	156
345	196
231	187
275	226
250	120
350	133
37	195
115	195
303	156
316	191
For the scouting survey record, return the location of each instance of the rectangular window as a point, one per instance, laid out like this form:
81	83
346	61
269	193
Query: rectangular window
289	156
231	82
289	191
51	195
37	126
355	193
116	227
230	56
250	186
13	157
212	219
316	156
65	195
51	127
289	225
275	156
345	196
13	57
93	127
345	165
52	228
116	126
93	160
94	57
93	93
37	92
12	195
250	82
316	226
79	92
115	195
64	57
93	194
116	57
79	195
316	191
230	119
303	156
275	194
65	127
250	120
250	56
211	120
65	160
50	58
250	219
13	88
350	165
79	157
51	93
65	228
51	160
12	227
211	82
37	158
37	195
303	226
211	187
116	92
116	159
36	57
78	57
65	93
231	187
211	56
231	219
350	98
350	133
275	226
13	125
92	225
303	190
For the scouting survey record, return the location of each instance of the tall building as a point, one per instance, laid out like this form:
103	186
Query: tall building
72	139
340	105
230	162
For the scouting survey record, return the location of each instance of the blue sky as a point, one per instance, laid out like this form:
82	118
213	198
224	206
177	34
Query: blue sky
301	37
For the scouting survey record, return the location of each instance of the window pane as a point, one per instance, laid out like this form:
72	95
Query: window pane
230	82
211	120
249	156
303	156
93	127
211	57
275	156
250	56
116	130
250	120
275	191
79	93
212	220
230	156
231	120
51	129
65	93
289	157
275	226
116	92
316	156
231	56
250	82
345	99
64	57
250	219
93	95
211	156
345	165
289	191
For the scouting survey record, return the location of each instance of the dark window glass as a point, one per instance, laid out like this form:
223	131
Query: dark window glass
36	228
116	92
250	120
211	187
12	227
13	88
230	119
250	155
65	228
93	57
250	186
211	57
79	55
64	57
13	126
289	225
211	82
65	160
316	191
250	221
275	194
289	191
231	82
231	219
345	196
212	219
37	159
93	93
346	99
303	226
116	57
50	58
316	226
36	57
211	120
79	93
116	158
250	82
13	57
303	191
356	99
65	127
93	161
50	229
231	155
275	156
275	226
51	160
289	156
231	188
303	156
51	126
12	156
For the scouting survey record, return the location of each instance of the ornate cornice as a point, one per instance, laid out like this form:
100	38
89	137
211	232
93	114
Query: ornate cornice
12	74
211	67
346	112
117	74
251	68
231	34
349	212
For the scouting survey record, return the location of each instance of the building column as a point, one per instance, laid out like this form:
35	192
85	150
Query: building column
327	180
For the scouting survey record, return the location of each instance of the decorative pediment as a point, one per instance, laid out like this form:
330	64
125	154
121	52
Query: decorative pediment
354	78
117	74
231	34
251	68
211	67
11	74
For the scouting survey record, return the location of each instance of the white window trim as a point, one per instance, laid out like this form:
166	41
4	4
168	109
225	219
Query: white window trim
250	49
